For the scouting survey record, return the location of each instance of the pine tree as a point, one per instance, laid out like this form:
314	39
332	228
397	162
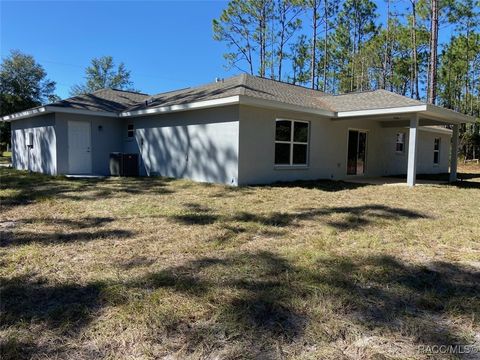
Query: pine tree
102	74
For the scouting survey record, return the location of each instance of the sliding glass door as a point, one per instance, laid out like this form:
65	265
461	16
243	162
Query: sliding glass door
357	152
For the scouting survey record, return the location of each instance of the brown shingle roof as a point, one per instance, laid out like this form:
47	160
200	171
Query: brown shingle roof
242	85
109	100
266	89
368	100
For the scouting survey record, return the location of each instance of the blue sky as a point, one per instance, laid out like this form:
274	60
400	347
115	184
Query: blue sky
165	44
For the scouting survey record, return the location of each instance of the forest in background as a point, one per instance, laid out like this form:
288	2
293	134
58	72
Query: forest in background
424	49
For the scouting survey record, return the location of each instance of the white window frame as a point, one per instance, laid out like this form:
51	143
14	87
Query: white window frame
436	150
403	143
292	143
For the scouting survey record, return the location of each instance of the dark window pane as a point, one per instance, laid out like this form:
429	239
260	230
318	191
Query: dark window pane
283	131
362	152
399	147
130	130
282	154
352	152
300	132
435	157
299	154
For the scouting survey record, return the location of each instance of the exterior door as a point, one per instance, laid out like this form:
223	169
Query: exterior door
79	147
357	152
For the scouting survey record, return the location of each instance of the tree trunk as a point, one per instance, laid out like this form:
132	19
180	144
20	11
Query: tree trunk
432	73
325	49
414	47
314	42
283	19
385	58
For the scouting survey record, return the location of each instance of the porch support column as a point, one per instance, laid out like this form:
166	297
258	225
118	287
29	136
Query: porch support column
412	151
454	154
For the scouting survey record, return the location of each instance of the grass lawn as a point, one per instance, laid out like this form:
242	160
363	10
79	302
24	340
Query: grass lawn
5	157
157	268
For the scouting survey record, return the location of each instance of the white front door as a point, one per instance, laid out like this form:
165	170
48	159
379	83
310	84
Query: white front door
79	147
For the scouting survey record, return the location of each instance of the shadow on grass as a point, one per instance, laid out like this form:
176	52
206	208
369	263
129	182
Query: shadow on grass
261	302
65	306
354	217
468	181
19	238
26	188
71	230
375	293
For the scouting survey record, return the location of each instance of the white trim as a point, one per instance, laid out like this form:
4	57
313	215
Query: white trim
232	100
412	151
395	110
400	152
427	110
25	114
291	142
52	109
183	107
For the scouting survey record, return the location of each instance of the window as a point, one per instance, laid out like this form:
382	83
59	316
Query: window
291	142
436	151
400	145
130	131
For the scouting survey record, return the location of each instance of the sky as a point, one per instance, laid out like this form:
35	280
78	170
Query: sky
165	44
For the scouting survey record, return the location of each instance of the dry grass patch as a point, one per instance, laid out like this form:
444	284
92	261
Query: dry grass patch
151	268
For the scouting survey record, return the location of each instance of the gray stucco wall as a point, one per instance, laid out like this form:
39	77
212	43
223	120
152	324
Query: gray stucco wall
201	145
230	145
327	148
106	136
43	156
396	163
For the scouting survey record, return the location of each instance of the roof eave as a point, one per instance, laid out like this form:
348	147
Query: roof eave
381	111
26	114
441	114
205	104
47	109
448	115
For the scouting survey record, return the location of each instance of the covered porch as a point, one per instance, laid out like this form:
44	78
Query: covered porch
413	119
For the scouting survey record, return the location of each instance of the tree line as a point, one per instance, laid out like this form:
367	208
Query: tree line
342	46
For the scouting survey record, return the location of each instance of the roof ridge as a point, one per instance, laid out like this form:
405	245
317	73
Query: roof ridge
356	92
129	91
286	83
119	90
211	83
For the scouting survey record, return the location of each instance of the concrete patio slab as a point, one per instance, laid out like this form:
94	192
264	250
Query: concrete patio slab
392	181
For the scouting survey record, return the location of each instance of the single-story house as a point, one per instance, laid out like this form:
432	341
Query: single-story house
241	130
